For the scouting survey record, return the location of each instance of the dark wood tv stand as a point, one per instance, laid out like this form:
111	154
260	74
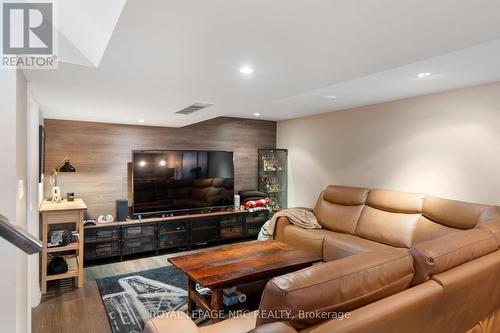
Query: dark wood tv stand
119	239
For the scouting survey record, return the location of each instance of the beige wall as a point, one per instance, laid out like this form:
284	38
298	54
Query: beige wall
445	144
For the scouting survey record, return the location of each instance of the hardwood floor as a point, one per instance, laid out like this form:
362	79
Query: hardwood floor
65	309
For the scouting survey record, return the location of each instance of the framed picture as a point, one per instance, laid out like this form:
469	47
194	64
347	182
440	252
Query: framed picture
41	153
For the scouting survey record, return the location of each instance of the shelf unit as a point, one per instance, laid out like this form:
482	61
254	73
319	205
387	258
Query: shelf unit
119	239
66	212
273	176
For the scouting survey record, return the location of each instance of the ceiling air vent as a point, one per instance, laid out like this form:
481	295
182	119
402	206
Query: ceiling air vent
194	107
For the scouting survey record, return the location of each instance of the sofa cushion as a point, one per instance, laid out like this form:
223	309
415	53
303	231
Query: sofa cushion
337	246
397	202
441	254
390	217
455	214
405	312
338	207
336	286
345	195
427	230
306	239
395	229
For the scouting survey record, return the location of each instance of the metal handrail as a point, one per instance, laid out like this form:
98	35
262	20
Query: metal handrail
19	237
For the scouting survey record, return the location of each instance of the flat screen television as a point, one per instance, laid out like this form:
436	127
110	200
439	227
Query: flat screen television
170	181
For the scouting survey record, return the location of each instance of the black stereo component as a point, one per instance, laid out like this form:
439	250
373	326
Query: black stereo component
121	210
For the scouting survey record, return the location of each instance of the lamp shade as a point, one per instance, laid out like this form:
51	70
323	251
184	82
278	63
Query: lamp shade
67	167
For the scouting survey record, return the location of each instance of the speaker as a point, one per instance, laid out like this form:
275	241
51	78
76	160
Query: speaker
121	210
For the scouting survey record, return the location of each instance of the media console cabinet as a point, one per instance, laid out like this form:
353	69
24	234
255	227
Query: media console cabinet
118	239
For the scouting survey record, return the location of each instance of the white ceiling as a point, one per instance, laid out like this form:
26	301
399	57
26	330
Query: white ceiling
164	55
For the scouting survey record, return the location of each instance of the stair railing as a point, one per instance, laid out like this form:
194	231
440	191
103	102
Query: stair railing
19	237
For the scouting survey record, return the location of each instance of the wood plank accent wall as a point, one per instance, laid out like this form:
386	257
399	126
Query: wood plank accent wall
102	153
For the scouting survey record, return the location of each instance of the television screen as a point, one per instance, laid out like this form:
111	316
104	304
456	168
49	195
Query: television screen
168	180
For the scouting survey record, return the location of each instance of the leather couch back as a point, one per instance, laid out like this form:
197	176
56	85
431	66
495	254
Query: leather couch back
338	207
399	219
390	217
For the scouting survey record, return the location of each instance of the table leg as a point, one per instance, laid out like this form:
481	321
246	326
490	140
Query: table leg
191	291
216	305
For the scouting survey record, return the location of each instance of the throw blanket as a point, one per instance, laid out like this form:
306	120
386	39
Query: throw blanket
299	217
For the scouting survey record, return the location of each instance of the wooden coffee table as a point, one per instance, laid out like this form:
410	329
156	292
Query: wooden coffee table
229	266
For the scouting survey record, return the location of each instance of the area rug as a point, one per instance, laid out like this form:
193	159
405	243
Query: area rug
130	299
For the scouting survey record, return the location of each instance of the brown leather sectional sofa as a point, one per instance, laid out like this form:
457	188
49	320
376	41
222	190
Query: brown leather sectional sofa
393	262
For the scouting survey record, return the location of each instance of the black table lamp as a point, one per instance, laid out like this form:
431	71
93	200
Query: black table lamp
64	166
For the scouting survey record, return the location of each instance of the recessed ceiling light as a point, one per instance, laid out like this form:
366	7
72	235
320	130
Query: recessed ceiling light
163	163
423	75
141	120
330	97
256	114
247	70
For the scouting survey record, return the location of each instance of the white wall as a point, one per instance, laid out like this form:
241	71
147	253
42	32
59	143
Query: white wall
14	287
445	144
33	194
23	310
8	182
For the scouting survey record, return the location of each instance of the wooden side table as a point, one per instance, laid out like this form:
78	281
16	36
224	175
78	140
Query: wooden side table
57	213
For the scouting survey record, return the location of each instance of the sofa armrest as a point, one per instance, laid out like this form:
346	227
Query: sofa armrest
278	327
279	228
312	295
175	321
443	253
282	222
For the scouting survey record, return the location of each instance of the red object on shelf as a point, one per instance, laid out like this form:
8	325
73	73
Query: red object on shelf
257	203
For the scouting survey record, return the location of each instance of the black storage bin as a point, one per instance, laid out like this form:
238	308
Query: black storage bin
172	239
204	230
140	231
231	226
172	234
138	245
102	234
165	227
102	250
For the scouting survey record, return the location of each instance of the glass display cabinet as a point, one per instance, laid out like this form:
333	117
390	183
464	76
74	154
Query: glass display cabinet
273	176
